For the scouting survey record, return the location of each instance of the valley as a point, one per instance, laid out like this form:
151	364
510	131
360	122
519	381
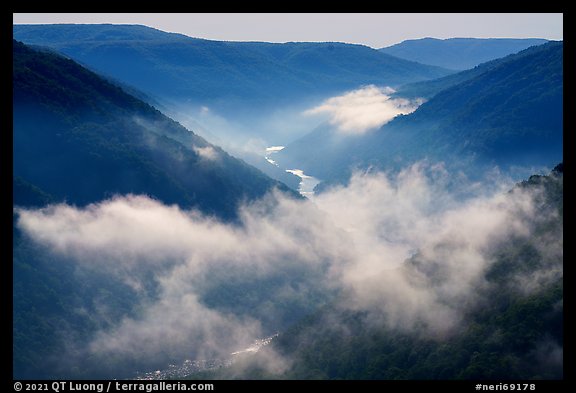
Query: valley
190	208
307	183
192	367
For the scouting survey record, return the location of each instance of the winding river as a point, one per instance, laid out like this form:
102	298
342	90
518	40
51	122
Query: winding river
307	182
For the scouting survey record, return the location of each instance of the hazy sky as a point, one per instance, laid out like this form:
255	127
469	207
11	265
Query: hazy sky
373	29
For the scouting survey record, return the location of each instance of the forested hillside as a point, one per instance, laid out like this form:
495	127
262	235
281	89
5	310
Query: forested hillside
223	73
508	114
81	139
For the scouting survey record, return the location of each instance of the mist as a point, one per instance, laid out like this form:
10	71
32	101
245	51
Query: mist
364	109
246	132
351	242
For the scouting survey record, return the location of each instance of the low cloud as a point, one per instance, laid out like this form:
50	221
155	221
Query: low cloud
392	219
177	326
190	258
206	153
364	109
353	240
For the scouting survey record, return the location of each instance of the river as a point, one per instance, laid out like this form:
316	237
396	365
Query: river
307	182
190	367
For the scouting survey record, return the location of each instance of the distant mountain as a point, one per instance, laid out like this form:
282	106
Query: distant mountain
508	113
222	73
458	53
80	139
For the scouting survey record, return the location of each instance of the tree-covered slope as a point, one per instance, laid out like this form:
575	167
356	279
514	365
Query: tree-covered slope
507	113
511	325
516	333
81	139
427	89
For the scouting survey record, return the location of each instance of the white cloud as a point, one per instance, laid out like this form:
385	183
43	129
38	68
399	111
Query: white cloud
389	219
188	255
355	239
364	109
207	153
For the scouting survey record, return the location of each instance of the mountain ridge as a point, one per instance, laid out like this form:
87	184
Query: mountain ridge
509	114
297	67
459	53
65	114
96	299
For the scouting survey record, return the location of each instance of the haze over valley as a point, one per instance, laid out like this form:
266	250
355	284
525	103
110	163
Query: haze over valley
194	208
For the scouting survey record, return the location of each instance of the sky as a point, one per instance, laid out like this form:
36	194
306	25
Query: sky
376	30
